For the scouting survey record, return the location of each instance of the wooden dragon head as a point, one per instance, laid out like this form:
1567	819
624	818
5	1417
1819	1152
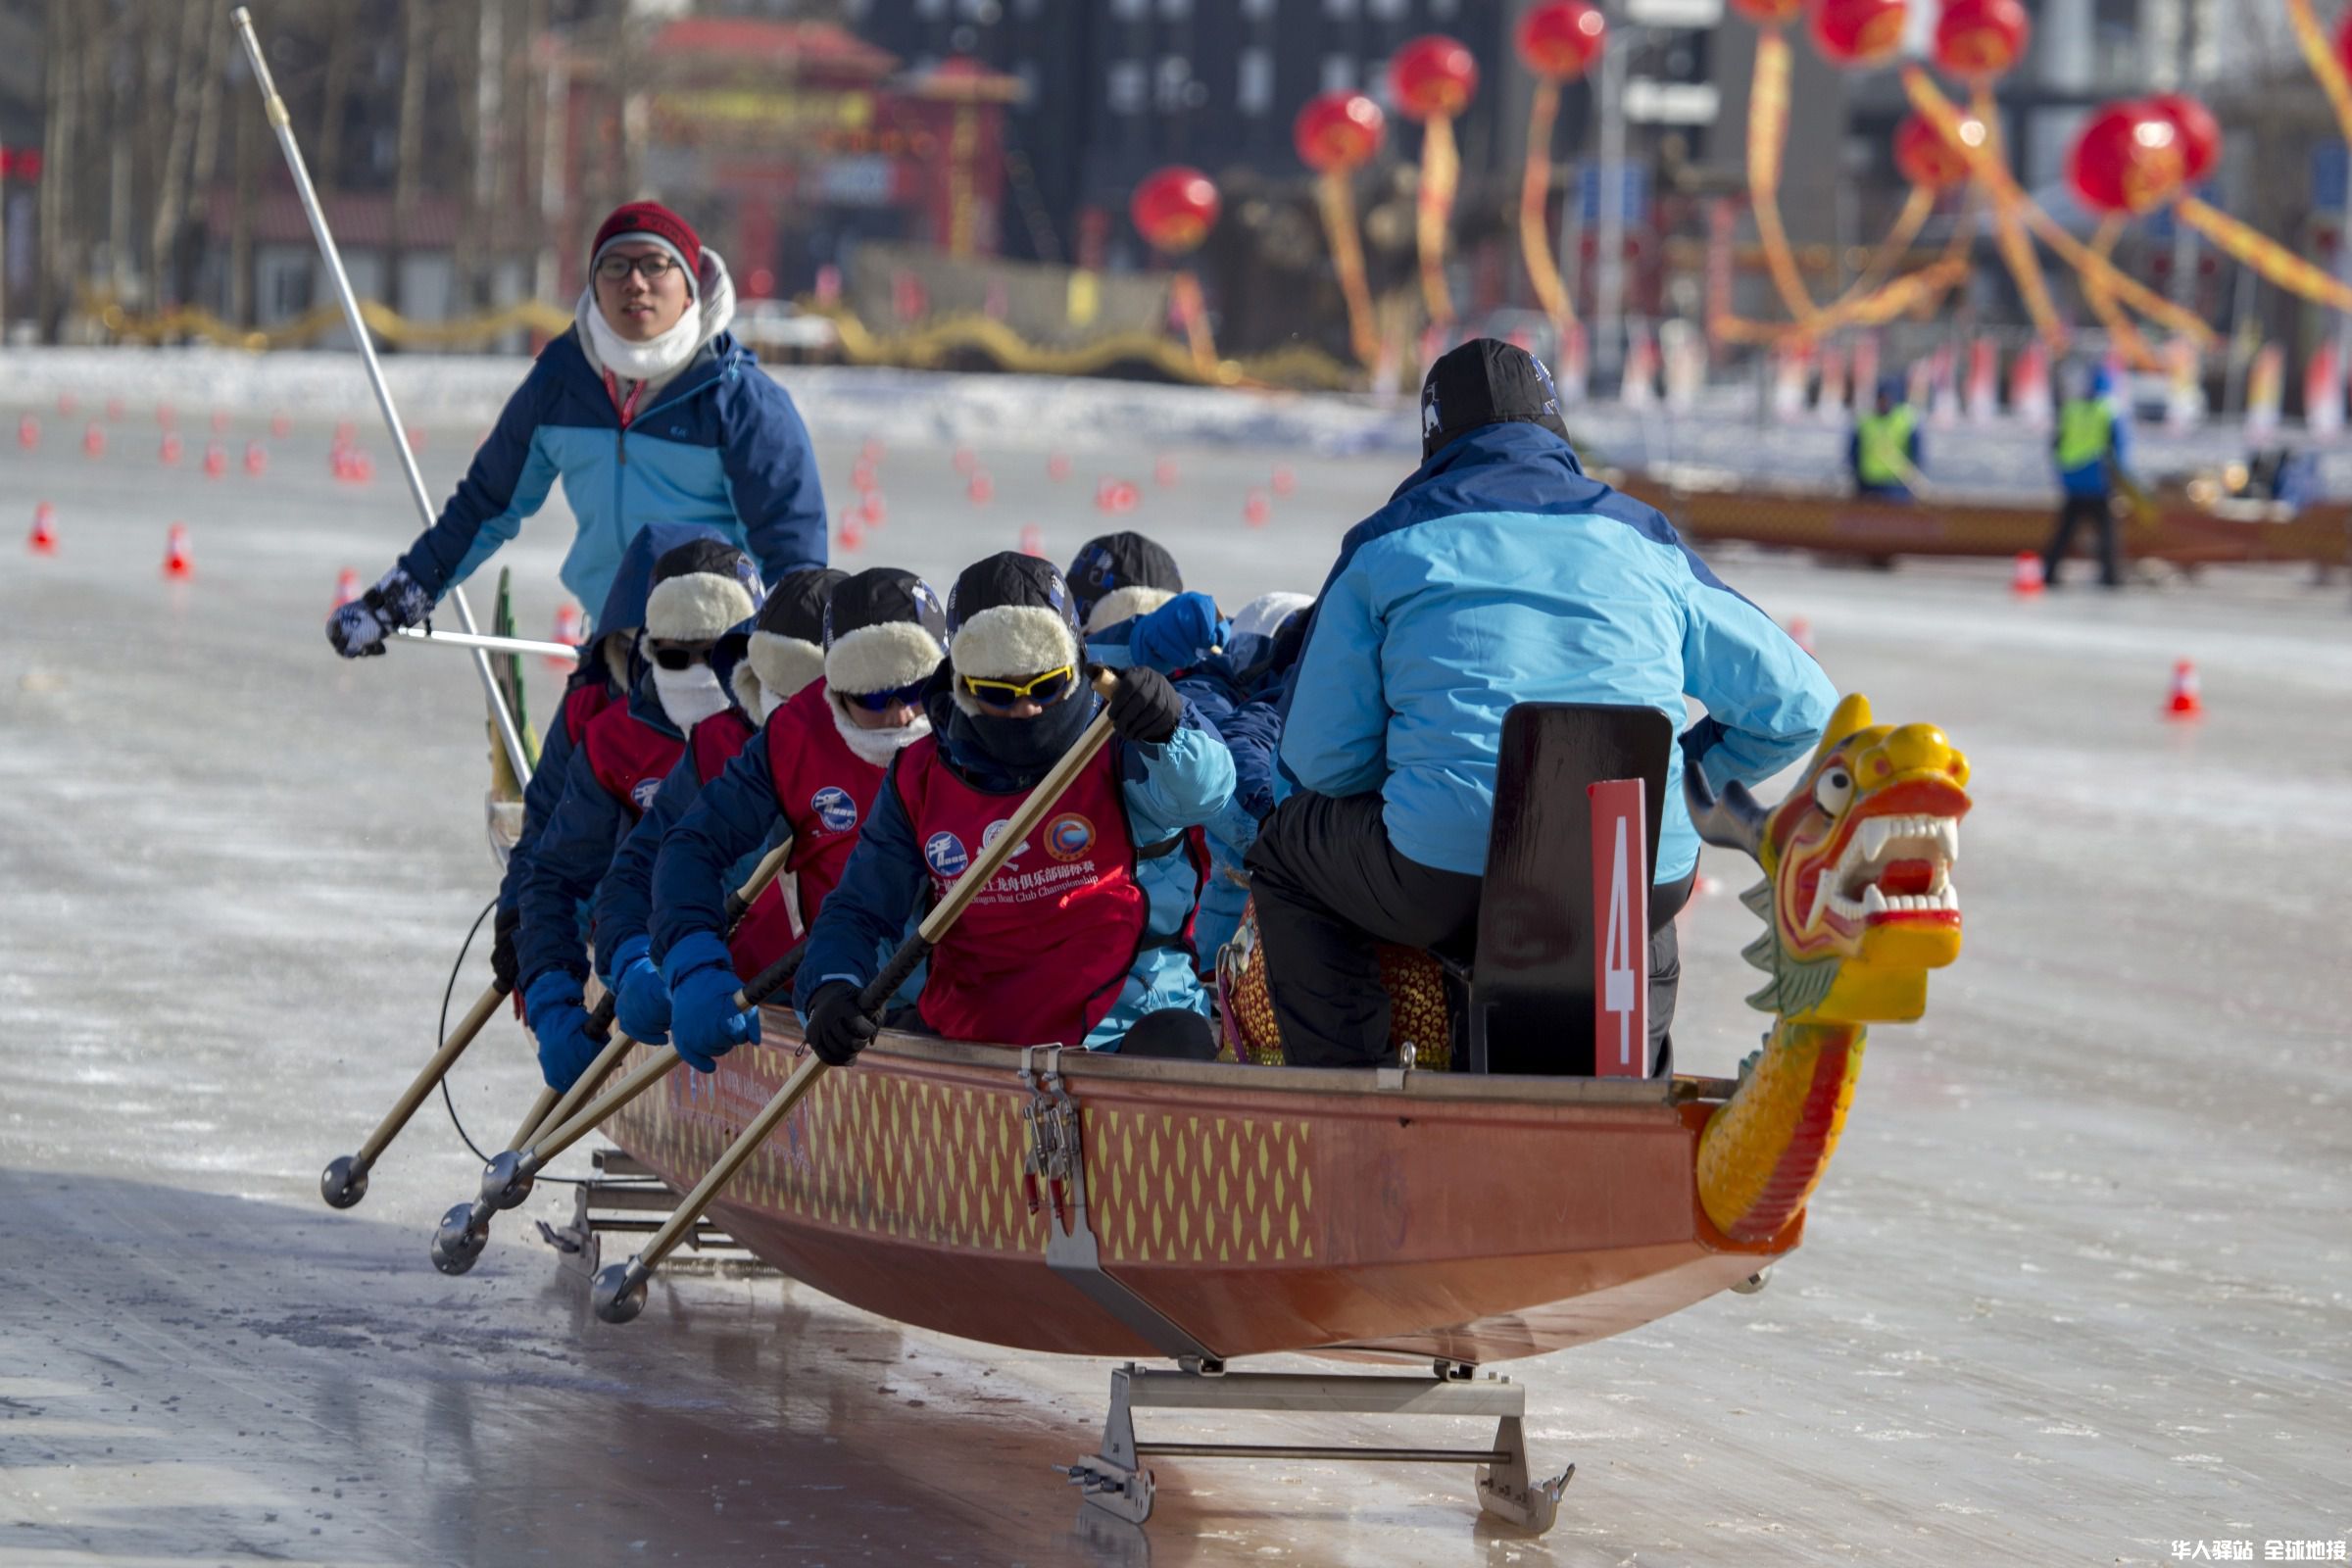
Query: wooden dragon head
1857	898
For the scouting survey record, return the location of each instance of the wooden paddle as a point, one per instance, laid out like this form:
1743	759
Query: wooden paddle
618	1295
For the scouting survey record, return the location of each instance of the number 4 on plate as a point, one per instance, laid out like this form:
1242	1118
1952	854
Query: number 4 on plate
1621	911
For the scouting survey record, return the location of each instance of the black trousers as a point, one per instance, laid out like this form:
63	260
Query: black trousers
1329	888
2070	516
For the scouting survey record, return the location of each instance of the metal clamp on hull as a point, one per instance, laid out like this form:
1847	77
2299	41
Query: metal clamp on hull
1056	1162
1117	1481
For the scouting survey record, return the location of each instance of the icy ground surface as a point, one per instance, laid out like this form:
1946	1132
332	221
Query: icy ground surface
1732	427
2079	1284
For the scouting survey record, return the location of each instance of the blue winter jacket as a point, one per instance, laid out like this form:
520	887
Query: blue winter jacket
2097	479
1180	783
723	446
624	907
1498	573
541	795
1239	692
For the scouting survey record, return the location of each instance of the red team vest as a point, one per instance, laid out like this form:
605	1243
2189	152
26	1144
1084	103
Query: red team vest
823	789
581	703
765	934
1042	953
629	757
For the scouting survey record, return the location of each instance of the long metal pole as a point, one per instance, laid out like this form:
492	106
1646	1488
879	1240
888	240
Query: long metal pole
282	124
1608	266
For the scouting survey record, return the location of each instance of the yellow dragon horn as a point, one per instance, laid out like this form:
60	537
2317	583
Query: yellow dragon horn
1852	716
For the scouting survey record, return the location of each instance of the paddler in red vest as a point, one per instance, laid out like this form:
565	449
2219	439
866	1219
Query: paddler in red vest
703	589
785	653
812	775
1066	946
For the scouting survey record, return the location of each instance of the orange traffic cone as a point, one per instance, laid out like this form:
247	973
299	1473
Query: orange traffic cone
93	440
1258	510
178	562
863	476
2025	581
1033	540
43	539
169	452
852	533
257	459
216	459
1058	467
347	588
2185	699
568	630
1800	632
29	432
872	510
982	488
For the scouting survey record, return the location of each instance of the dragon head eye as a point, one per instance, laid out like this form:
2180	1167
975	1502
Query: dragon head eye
1832	789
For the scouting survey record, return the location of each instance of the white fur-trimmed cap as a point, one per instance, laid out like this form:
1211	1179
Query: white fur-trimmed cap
1012	614
701	589
1125	604
884	628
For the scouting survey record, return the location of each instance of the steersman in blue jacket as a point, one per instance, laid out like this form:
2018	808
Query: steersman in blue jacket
1498	573
646	409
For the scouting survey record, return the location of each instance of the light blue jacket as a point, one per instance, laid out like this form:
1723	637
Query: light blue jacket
720	446
1498	573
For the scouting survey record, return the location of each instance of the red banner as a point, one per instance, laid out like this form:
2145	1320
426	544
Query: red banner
1621	916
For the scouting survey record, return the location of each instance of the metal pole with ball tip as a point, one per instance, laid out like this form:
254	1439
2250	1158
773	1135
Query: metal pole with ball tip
283	125
618	1294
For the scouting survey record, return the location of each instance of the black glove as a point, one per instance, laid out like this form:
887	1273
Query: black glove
1145	706
358	629
502	945
837	1028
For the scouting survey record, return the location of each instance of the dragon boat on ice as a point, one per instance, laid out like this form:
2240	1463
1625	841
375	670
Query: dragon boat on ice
1063	1201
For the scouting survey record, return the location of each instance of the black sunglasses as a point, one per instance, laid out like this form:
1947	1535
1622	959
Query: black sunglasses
674	656
911	696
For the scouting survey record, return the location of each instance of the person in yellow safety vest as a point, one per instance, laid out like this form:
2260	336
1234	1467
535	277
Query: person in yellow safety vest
2093	451
1884	452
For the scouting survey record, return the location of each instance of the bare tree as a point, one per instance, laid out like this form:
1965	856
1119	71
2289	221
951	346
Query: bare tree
407	170
64	253
194	63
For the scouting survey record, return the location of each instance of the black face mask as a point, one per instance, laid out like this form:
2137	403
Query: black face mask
1027	747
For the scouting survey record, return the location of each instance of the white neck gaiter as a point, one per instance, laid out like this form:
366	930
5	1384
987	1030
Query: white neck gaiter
710	312
876	746
691	695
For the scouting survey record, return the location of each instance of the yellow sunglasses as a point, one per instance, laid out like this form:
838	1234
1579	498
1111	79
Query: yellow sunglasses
1045	688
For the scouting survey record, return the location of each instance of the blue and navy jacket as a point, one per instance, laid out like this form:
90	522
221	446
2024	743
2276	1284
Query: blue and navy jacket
624	901
2097	479
546	788
1498	573
1239	693
1179	784
723	446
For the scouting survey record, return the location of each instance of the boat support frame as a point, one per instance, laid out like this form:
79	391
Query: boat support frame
1115	1479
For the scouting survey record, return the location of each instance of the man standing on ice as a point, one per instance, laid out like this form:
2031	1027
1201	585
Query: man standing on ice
1498	573
647	408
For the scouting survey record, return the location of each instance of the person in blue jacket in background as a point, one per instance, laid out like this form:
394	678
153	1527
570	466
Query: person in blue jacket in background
1498	574
647	408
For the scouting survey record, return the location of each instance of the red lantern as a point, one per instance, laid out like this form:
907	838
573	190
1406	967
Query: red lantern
1561	38
1337	131
1174	209
1981	39
2126	159
1926	159
1770	13
2200	134
1858	32
1432	78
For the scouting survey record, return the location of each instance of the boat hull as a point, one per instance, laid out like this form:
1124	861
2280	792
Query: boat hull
1260	1209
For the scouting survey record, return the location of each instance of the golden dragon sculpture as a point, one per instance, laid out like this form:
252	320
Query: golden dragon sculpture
1858	905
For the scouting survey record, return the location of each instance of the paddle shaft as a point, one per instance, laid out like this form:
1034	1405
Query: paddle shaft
485	642
552	1111
430	1074
282	124
879	990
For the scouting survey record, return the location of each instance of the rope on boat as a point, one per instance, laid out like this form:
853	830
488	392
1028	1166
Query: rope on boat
442	1032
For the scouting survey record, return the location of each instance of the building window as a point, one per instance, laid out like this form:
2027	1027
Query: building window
1175	10
1258	10
931	10
1124	90
1388	9
1443	10
1339	73
1129	9
1339	9
1253	86
1175	71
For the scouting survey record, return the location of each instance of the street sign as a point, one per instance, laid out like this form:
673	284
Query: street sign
1648	101
1674	12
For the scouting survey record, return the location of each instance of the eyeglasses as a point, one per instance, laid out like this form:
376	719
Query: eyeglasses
911	696
674	656
1041	689
652	268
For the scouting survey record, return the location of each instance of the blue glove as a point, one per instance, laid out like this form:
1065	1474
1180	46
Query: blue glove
639	996
1179	634
701	1003
560	1024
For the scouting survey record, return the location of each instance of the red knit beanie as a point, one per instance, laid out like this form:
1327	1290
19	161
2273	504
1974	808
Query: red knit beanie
651	222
